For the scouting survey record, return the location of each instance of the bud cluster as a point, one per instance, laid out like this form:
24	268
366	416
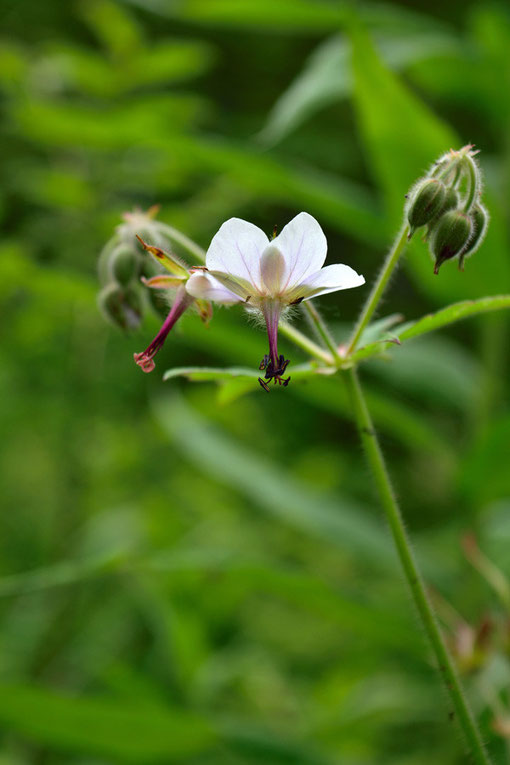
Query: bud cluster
125	271
448	202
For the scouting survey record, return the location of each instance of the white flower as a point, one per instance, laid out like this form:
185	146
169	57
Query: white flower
270	275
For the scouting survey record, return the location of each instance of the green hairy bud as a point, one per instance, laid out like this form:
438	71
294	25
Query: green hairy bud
451	201
123	265
121	306
426	202
480	218
450	236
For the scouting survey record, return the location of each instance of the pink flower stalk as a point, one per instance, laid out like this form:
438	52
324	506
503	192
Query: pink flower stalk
145	359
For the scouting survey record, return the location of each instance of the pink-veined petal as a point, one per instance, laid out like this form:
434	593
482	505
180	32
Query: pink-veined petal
205	287
236	250
329	279
304	248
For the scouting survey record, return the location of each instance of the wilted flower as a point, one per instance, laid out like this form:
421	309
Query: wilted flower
177	277
269	276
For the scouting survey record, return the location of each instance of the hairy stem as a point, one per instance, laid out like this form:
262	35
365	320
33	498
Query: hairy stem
379	287
445	663
322	329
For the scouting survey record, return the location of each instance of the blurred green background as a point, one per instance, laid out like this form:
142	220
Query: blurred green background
190	575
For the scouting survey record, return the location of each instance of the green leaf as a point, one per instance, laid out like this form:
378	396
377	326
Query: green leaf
433	321
132	732
204	374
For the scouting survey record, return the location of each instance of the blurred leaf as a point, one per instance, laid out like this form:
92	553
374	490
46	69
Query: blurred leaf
484	475
380	329
113	25
287	16
90	73
268	487
433	321
84	126
109	727
327	77
435	369
272	15
393	417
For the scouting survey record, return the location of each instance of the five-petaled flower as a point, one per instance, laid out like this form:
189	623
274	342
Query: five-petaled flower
270	275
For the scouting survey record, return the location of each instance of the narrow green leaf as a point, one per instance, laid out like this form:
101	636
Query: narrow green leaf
433	321
203	374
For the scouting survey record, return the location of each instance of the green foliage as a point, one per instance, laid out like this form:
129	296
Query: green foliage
199	573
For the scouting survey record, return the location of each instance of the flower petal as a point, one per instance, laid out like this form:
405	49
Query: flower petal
329	279
272	269
206	287
304	247
236	250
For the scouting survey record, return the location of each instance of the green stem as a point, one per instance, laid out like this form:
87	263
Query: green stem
304	342
445	663
322	329
188	244
378	288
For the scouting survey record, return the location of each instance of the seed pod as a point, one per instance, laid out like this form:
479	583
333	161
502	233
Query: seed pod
121	306
449	236
426	202
480	218
123	265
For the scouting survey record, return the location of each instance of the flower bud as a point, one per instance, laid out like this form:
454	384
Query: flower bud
451	201
121	306
123	265
449	236
480	218
159	301
426	202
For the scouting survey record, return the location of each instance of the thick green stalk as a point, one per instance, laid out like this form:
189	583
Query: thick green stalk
445	662
379	287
